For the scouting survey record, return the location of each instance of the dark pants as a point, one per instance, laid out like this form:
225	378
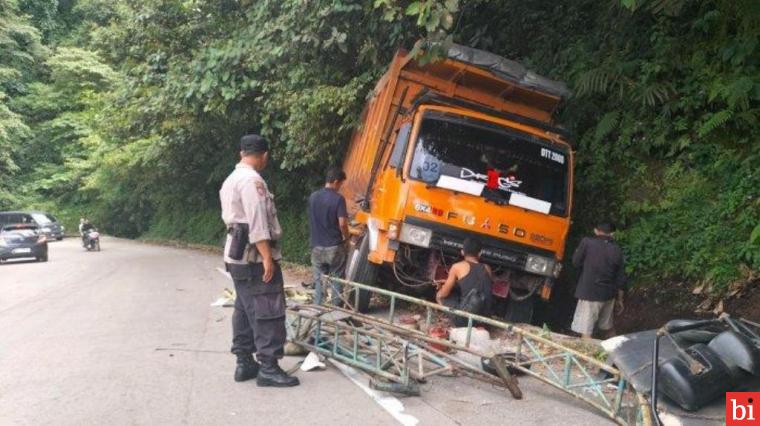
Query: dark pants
454	301
328	261
258	321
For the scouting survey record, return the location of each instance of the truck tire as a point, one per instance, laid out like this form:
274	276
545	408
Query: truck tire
361	270
519	311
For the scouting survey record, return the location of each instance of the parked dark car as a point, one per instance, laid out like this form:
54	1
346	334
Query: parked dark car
47	223
23	240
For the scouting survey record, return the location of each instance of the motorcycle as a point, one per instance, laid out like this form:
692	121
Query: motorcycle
92	240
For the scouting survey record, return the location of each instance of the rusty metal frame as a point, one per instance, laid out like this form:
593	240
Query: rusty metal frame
403	356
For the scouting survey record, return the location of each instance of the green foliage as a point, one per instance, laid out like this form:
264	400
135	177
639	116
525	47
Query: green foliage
200	227
206	227
20	49
43	15
700	233
76	71
61	111
295	241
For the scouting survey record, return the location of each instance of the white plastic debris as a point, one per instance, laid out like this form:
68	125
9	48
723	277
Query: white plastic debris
480	339
220	301
312	362
227	299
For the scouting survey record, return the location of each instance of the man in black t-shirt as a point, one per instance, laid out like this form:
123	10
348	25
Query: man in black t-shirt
601	286
328	228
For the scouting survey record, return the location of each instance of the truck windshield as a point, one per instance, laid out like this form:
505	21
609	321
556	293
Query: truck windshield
500	160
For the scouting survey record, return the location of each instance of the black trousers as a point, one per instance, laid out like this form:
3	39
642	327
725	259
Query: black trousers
258	321
454	302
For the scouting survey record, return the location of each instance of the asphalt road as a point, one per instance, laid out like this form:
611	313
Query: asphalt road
127	336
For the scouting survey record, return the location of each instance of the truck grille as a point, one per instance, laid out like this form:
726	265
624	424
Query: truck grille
451	245
495	251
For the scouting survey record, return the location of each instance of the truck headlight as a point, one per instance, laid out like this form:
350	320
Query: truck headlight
415	235
539	265
63	228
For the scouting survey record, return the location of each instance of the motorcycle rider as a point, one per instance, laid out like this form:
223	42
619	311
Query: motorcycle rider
84	228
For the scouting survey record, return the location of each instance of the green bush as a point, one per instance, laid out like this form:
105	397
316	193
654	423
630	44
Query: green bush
205	227
698	226
295	239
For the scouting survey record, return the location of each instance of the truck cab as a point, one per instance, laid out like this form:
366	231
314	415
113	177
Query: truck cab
462	147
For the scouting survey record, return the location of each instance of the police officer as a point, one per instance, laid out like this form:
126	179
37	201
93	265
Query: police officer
252	256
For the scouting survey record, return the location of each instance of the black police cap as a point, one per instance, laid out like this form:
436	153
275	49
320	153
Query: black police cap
253	144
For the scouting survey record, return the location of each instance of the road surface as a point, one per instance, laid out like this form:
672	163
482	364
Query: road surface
127	336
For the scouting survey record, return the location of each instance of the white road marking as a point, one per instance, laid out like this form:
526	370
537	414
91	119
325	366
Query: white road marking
389	403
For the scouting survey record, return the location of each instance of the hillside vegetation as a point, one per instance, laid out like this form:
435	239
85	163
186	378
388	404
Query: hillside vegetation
130	112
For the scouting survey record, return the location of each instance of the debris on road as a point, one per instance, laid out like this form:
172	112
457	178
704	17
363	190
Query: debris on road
227	299
399	355
312	362
297	295
697	362
292	349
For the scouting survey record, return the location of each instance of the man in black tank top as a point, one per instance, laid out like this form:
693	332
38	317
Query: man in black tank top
468	285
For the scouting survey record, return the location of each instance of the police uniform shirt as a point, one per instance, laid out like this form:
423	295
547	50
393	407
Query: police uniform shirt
245	198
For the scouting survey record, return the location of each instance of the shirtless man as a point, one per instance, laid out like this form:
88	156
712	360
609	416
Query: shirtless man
468	285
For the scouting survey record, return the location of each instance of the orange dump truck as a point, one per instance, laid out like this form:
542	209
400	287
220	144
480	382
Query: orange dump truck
462	147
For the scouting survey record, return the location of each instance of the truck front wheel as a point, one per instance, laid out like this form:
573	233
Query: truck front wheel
520	308
361	270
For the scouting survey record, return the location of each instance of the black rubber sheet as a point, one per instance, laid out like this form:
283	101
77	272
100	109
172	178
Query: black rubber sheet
632	355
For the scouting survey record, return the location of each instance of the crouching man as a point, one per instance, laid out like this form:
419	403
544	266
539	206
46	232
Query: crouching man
468	285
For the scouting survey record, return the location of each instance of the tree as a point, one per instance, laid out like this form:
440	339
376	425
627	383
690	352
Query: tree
20	50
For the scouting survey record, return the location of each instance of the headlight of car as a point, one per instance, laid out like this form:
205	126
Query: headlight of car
63	228
3	243
415	235
539	265
45	229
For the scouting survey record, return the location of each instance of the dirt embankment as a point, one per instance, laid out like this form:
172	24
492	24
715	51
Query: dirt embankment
651	307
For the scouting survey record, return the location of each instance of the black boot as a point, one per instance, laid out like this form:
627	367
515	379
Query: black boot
247	368
272	375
